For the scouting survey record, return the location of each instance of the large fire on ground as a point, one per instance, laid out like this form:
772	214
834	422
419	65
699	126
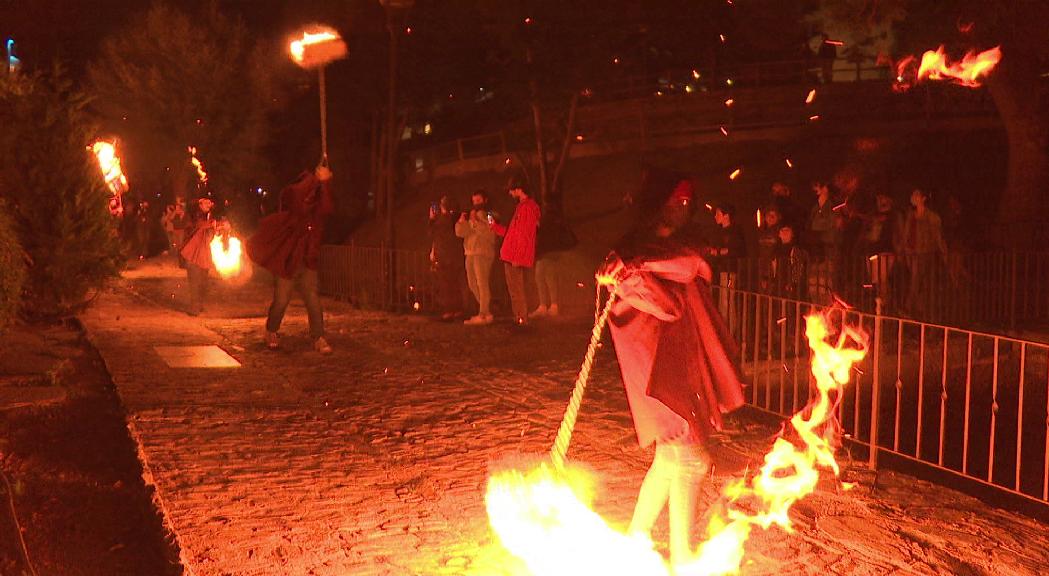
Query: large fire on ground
544	517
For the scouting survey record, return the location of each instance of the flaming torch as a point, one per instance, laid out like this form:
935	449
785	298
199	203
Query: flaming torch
109	163
226	254
319	46
112	174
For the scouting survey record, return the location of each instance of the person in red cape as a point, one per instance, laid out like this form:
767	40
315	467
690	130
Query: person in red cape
677	359
287	244
196	251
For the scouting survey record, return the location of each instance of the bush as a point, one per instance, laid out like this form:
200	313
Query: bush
55	193
12	270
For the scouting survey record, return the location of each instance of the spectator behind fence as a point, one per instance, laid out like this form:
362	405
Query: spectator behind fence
768	238
447	256
790	265
553	241
518	250
479	246
881	241
823	244
924	250
790	211
728	250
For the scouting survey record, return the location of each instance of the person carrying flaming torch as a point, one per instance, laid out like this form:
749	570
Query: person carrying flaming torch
287	244
196	250
677	359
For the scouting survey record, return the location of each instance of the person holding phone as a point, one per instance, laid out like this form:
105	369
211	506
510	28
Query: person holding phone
474	227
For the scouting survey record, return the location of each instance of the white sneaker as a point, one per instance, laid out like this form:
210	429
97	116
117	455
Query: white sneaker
474	321
538	312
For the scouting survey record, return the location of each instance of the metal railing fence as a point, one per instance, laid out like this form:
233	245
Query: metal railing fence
993	290
964	402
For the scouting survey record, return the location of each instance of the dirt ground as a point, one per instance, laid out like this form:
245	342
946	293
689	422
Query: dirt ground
75	481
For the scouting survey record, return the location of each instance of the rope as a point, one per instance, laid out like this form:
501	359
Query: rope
324	118
18	525
564	433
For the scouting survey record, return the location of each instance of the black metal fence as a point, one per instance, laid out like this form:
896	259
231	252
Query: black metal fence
992	290
967	403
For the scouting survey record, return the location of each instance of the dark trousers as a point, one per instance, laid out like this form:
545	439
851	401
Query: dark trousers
451	286
517	278
306	283
198	286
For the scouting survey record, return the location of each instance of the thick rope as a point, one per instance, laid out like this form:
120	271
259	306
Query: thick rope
564	433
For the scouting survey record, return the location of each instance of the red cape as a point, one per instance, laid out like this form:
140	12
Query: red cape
289	240
679	363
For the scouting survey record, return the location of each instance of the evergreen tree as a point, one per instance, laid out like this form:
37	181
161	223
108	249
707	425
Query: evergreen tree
54	189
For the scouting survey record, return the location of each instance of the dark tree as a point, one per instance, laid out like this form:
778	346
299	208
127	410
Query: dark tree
54	189
171	80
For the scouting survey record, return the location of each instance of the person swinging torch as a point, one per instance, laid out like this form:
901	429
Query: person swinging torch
678	361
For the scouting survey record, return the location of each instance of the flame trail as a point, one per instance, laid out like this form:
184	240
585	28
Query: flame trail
970	71
201	173
790	472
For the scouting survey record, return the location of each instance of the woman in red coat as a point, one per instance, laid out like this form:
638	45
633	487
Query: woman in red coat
677	360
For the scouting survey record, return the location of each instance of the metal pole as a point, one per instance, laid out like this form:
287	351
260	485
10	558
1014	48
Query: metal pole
391	149
876	387
324	116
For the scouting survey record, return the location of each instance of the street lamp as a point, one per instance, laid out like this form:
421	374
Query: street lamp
396	10
395	13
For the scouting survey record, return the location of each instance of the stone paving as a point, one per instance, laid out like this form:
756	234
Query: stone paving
374	460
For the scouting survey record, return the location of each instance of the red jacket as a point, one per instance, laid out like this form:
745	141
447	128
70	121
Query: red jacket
676	356
519	238
289	241
196	249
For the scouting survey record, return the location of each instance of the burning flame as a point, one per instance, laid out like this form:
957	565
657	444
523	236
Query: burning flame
735	174
226	254
969	71
109	163
790	471
298	47
544	517
201	173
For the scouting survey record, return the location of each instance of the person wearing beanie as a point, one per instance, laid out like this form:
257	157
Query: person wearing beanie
678	363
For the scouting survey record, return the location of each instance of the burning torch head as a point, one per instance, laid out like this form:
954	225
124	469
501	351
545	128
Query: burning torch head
317	47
